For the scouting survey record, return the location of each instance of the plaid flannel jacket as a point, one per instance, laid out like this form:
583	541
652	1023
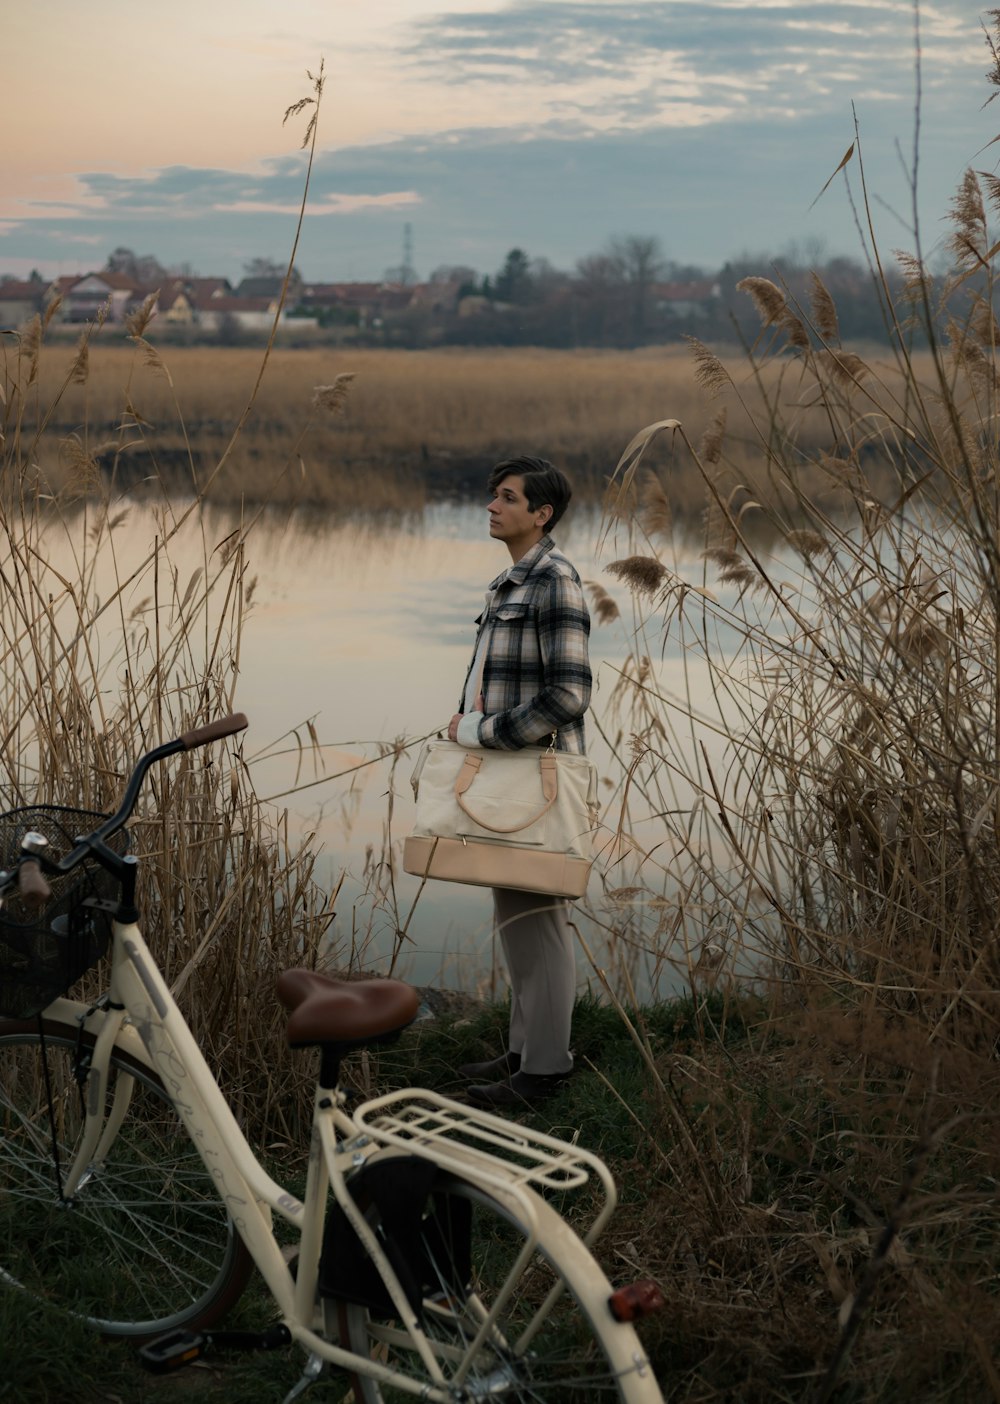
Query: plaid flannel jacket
536	678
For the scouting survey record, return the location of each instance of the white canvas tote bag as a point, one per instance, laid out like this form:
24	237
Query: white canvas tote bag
521	819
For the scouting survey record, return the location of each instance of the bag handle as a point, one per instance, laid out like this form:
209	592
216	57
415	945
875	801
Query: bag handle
550	789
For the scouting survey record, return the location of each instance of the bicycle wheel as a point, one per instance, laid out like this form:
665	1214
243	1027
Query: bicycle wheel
147	1244
579	1352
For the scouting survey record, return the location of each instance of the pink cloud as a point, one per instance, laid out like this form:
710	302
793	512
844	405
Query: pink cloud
332	204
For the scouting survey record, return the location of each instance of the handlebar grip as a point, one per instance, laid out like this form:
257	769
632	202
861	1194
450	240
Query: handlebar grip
214	731
31	883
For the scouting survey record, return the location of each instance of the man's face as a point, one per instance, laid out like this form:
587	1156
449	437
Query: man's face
511	519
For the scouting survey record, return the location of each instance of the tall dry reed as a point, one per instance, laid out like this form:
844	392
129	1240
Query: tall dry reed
102	659
809	830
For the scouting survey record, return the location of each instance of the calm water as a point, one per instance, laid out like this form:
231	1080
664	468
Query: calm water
364	630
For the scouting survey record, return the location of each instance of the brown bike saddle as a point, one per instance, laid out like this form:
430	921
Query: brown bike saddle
325	1010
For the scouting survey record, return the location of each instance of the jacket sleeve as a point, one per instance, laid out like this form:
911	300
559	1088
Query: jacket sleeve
563	629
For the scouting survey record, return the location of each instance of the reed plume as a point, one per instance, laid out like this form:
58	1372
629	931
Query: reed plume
969	236
137	321
657	517
602	603
710	446
824	310
710	373
333	398
642	574
767	298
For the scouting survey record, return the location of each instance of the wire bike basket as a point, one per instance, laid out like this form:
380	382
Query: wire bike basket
44	952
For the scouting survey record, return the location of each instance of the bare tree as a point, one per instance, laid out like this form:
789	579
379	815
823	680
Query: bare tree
270	268
600	288
639	259
143	268
454	273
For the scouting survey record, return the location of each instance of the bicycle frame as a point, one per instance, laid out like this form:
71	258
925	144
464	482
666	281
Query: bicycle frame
142	1018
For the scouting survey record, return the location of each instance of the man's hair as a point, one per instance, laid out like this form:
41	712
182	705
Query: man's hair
544	484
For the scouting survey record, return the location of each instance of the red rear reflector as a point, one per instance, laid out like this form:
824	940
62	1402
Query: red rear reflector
636	1300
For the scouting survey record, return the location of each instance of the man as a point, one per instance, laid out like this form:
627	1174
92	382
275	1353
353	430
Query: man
529	680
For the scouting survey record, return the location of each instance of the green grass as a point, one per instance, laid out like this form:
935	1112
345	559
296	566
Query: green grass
56	1360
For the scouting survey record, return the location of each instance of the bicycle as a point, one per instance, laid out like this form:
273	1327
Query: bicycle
428	1262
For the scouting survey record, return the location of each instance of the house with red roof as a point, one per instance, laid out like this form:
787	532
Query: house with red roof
21	301
84	297
181	299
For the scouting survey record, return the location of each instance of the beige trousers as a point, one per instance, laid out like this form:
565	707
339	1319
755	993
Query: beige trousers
541	961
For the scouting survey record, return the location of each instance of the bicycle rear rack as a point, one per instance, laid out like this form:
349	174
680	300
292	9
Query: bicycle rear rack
501	1153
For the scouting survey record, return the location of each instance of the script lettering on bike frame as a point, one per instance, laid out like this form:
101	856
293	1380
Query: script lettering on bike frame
173	1074
167	1064
139	965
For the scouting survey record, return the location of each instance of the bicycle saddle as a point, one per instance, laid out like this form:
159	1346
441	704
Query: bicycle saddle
325	1010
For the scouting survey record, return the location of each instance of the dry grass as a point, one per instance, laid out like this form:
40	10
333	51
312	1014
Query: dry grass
88	683
824	830
227	899
409	423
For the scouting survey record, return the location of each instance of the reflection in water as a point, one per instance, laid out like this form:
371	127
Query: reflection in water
359	635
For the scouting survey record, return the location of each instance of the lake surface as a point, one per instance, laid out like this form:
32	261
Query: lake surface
362	631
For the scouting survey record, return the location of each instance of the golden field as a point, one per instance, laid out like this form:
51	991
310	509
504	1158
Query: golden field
414	423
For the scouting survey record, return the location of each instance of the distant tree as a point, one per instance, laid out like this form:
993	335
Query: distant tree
142	268
121	260
683	272
598	272
548	281
455	273
269	268
263	268
514	282
640	261
802	254
600	295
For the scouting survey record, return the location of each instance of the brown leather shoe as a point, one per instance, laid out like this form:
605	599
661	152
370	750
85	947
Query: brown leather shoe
523	1089
496	1067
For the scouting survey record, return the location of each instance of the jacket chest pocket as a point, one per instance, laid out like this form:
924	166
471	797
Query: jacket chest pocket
511	638
509	621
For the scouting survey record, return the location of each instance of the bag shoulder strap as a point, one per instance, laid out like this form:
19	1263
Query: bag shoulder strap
550	791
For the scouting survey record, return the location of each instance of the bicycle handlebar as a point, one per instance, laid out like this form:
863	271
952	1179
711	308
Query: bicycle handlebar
29	875
31	883
214	731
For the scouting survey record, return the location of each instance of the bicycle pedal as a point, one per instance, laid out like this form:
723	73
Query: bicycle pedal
172	1351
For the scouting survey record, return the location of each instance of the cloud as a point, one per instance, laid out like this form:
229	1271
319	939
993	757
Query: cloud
712	125
183	192
330	204
681	63
561	191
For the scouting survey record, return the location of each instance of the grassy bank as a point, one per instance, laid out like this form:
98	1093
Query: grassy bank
760	1154
609	1096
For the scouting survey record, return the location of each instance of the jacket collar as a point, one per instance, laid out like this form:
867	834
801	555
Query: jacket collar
520	570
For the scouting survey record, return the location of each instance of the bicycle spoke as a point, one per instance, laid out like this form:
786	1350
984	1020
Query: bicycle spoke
570	1356
145	1244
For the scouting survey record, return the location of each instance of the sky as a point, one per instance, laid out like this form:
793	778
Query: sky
549	125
